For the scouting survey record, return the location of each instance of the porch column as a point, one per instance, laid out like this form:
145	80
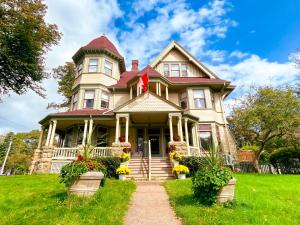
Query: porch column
162	131
167	93
53	132
127	129
84	131
89	140
179	128
130	92
171	128
157	88
137	90
196	136
187	136
41	137
117	129
49	133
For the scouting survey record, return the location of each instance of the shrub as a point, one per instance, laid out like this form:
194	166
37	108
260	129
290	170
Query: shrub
193	163
287	159
111	164
207	183
180	169
123	171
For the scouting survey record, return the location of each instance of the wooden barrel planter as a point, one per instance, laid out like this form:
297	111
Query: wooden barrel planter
227	192
87	184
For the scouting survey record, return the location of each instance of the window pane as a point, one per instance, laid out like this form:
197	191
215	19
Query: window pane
104	95
205	139
175	66
175	72
93	62
183	67
89	103
199	103
108	64
199	94
89	95
166	70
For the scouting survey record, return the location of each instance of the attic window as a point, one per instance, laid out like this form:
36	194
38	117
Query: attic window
166	70
175	70
108	67
183	70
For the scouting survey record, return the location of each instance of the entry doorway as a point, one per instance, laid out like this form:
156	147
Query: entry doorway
154	138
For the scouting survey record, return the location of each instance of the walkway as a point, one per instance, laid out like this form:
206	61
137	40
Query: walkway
150	206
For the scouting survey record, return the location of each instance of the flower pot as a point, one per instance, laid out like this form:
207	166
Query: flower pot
227	192
181	176
122	177
87	184
175	163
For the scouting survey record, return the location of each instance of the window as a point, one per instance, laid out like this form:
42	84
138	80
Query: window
75	101
108	67
102	137
88	99
104	99
183	100
93	65
166	70
205	136
175	71
79	69
183	70
199	99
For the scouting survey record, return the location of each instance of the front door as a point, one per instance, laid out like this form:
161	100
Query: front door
154	135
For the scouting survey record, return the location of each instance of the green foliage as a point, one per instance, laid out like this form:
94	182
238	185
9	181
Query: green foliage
288	159
250	147
208	182
111	164
22	148
65	76
194	163
25	37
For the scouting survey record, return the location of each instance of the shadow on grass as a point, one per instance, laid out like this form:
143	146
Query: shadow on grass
60	196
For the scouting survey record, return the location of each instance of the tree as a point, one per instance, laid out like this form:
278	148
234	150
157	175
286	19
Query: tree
295	57
24	38
66	76
22	148
265	113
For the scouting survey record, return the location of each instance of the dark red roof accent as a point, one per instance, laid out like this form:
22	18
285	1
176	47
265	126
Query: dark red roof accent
195	80
150	71
125	77
103	42
84	112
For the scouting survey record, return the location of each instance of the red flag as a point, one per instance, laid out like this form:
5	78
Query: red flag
143	82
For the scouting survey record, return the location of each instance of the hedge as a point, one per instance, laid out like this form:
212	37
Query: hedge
194	163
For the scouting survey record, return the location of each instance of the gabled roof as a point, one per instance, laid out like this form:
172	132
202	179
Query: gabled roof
192	59
148	102
124	79
150	71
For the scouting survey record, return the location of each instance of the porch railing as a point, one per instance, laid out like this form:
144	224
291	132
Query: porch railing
65	153
102	152
194	151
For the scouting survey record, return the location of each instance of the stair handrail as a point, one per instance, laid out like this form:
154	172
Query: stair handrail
149	160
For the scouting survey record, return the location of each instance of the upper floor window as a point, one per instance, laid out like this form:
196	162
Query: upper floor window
89	99
199	99
79	69
183	100
205	136
166	70
108	67
75	101
175	71
104	99
184	70
93	65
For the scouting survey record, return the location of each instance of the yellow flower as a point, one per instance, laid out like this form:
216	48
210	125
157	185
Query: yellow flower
181	169
125	157
123	170
175	155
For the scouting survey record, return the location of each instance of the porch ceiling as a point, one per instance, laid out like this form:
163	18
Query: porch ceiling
65	124
149	118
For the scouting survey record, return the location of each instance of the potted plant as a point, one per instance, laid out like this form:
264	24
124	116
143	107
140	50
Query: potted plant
175	157
180	171
122	171
125	159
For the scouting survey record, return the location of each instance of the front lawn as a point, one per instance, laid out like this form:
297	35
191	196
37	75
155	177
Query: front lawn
41	199
260	199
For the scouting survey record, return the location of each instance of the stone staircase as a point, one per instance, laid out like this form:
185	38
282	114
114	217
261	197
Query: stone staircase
161	168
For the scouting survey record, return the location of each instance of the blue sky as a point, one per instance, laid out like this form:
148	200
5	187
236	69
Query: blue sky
244	41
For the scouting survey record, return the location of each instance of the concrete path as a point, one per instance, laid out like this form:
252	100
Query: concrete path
150	206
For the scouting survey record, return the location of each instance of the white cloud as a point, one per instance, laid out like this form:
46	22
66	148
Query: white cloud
238	54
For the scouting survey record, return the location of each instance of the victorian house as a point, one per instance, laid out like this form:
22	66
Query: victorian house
183	106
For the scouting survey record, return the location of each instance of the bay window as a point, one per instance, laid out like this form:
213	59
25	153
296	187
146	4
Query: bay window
199	98
79	69
104	99
88	101
108	67
75	101
205	136
93	65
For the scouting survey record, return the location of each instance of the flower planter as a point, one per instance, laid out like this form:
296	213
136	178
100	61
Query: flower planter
87	184
181	176
227	192
122	177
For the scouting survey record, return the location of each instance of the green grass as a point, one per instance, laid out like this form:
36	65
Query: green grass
41	199
260	199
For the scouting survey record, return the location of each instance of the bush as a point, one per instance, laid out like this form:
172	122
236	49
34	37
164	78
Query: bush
208	182
193	163
287	159
111	164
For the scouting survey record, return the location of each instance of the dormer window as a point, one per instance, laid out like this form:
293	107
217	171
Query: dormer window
184	70
93	65
104	99
166	70
175	70
108	67
89	99
79	69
